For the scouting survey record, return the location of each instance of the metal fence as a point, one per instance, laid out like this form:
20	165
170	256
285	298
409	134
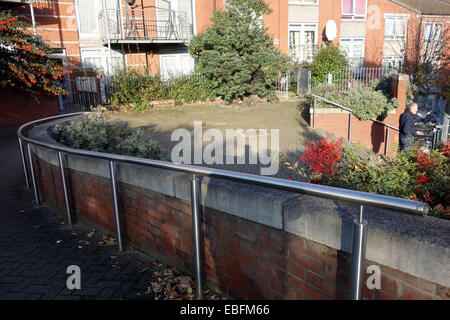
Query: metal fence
357	76
147	24
85	92
361	198
350	116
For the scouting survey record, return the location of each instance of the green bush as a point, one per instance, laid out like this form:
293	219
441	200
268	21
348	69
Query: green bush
236	54
190	89
327	60
96	133
366	102
129	87
385	85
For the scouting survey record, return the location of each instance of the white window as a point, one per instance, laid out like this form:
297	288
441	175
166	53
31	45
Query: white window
433	31
303	1
101	58
393	62
395	27
353	49
302	41
87	13
354	9
175	65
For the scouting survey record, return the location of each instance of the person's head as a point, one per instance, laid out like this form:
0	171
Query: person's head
413	107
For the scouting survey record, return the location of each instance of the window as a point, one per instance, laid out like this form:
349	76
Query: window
354	50
101	58
87	12
395	27
433	31
353	9
302	41
393	62
303	1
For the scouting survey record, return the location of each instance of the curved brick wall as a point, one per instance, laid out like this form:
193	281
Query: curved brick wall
259	243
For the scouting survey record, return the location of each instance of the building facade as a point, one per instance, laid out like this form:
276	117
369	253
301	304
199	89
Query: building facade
154	34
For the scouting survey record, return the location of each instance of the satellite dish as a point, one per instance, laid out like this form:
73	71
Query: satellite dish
130	2
331	30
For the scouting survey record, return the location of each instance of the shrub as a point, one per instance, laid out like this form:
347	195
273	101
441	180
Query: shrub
191	89
236	54
25	63
327	60
138	89
366	102
96	133
385	85
413	174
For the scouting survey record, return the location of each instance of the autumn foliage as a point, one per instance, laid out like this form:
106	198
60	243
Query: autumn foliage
24	59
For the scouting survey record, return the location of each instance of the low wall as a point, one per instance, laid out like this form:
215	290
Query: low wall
18	108
367	132
259	243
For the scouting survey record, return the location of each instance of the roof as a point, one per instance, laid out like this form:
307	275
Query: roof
426	7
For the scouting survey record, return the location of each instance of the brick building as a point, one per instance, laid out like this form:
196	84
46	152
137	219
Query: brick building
153	34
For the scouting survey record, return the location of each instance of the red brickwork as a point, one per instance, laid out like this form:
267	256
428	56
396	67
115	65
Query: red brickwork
242	258
18	108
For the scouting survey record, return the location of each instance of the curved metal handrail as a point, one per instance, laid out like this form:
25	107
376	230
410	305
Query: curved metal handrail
363	198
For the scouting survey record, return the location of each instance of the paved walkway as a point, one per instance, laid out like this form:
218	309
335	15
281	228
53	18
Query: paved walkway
36	247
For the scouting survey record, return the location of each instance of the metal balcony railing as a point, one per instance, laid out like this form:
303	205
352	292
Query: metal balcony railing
144	25
361	198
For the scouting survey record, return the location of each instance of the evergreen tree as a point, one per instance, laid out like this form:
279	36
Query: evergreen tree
237	54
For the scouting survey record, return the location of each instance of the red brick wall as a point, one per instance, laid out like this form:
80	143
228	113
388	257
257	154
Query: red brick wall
17	108
368	133
242	258
56	23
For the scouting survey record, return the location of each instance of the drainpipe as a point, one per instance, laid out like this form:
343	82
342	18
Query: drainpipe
105	17
194	18
33	21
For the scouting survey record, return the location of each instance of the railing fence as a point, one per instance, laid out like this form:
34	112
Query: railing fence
350	116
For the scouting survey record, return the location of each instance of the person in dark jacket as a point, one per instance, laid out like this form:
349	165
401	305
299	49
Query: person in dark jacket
407	131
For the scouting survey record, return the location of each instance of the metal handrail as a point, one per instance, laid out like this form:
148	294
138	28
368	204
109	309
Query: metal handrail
362	198
388	126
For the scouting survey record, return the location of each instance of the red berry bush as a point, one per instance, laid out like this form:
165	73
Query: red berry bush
24	60
415	174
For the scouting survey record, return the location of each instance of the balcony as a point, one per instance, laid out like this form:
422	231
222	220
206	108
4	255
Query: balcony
144	26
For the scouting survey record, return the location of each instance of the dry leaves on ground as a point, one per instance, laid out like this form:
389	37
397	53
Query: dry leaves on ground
170	284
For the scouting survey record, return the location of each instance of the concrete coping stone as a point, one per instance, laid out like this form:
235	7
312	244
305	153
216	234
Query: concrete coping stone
419	246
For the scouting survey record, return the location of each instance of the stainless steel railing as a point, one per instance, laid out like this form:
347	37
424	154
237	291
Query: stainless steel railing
350	116
361	198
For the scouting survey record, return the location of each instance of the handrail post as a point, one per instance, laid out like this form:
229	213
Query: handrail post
386	145
314	113
196	233
33	177
64	186
359	240
24	165
112	173
350	127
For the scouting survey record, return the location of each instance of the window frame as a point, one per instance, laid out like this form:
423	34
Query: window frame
433	24
353	16
353	41
303	2
395	17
